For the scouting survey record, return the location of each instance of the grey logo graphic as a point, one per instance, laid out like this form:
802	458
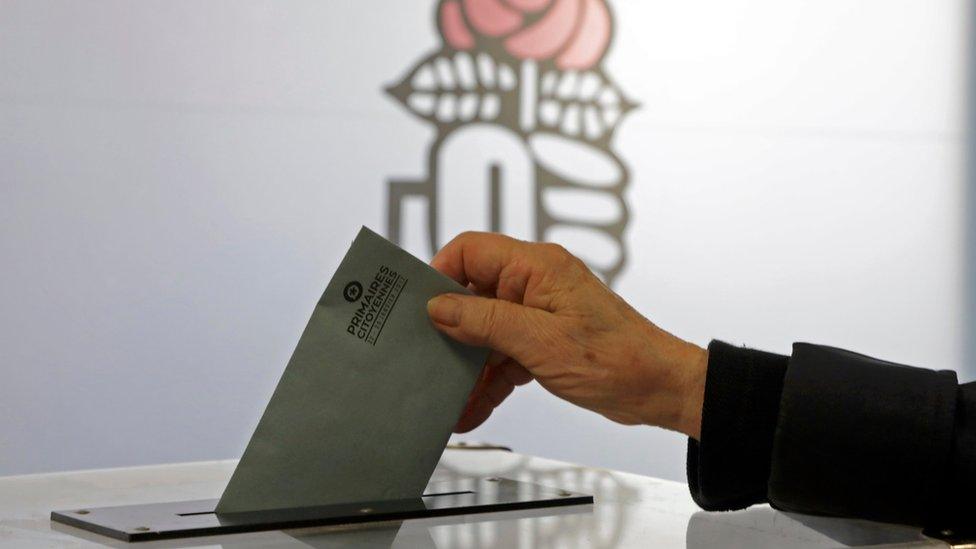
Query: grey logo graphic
353	291
524	117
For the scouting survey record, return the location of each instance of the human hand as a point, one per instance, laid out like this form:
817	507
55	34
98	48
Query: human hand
547	317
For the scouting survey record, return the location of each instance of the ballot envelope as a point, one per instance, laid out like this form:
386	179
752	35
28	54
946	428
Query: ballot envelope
370	395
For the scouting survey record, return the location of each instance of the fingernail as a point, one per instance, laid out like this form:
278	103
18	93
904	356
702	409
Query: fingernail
445	309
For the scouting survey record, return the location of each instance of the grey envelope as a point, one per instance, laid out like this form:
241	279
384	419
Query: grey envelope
367	402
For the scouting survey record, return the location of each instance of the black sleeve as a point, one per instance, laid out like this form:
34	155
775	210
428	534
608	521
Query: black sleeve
729	468
831	432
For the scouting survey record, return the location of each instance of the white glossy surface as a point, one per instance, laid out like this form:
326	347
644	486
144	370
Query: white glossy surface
630	511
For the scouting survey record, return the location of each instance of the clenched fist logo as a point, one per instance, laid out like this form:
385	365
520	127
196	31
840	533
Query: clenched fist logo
525	118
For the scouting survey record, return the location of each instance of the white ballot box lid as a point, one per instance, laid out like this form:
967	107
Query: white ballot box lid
630	511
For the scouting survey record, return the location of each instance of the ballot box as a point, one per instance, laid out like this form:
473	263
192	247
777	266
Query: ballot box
629	510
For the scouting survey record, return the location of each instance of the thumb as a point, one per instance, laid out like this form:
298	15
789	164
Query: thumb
507	327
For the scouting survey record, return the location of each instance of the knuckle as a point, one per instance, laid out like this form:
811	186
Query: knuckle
458	240
552	255
479	236
563	260
556	250
577	265
461	238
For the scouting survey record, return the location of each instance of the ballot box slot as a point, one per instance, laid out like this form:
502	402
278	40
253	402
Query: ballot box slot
193	514
447	494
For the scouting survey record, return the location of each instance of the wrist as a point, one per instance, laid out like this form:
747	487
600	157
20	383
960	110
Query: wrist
693	398
676	371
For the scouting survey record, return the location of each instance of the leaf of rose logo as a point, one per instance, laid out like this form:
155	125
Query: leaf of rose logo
525	117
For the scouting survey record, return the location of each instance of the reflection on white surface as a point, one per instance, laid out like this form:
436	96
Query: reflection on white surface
629	511
761	527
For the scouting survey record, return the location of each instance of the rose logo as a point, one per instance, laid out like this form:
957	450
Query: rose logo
573	33
525	118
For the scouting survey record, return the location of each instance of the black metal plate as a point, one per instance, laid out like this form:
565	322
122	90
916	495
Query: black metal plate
182	519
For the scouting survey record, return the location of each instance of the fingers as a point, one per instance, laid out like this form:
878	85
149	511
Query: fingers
498	265
515	373
495	359
476	413
512	329
494	386
476	258
476	410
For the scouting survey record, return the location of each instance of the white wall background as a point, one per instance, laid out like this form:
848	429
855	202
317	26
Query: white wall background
179	179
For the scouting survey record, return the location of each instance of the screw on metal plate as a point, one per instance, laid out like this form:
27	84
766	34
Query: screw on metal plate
82	512
493	479
366	510
564	493
141	529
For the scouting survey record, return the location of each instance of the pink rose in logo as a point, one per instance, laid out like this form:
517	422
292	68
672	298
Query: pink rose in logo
574	34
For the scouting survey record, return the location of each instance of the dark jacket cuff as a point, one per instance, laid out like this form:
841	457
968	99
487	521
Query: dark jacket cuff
860	437
729	467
